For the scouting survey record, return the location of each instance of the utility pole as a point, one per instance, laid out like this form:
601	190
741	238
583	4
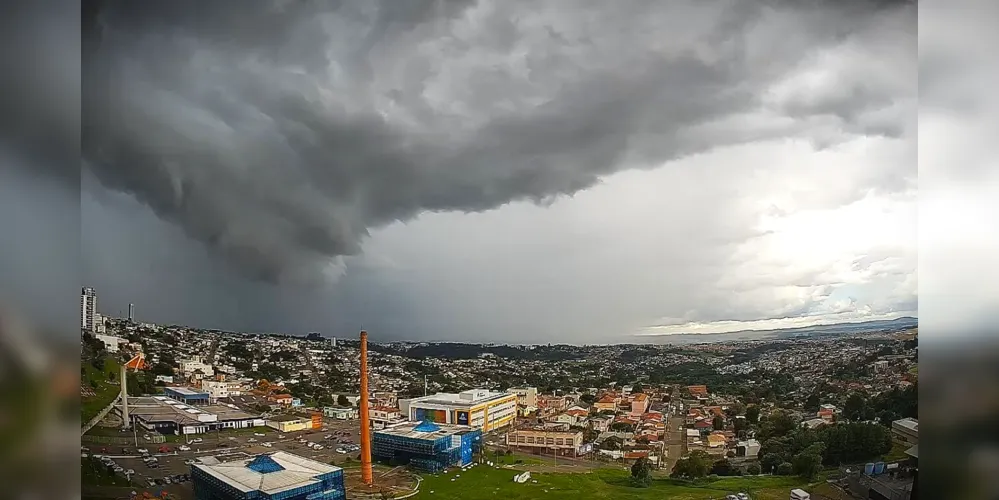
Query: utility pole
424	384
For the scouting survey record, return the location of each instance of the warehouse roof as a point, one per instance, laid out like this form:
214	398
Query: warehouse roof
269	473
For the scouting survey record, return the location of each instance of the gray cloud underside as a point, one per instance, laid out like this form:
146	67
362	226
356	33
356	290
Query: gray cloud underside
278	133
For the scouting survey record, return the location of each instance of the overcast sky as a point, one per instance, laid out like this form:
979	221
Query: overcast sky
491	171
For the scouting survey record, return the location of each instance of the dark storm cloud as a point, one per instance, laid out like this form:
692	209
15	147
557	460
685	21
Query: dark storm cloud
278	133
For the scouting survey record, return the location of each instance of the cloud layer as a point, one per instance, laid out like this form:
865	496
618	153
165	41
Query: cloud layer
279	134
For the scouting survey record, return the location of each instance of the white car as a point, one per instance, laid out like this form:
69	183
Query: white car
130	472
251	440
188	462
195	440
317	447
142	450
259	434
280	436
341	450
184	447
266	445
119	469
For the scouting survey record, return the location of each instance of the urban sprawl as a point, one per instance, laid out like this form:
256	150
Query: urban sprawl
213	414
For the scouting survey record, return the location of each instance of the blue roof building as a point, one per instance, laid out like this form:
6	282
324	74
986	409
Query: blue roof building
272	476
427	446
187	395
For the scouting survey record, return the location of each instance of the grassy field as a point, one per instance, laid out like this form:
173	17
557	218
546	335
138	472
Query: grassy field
897	452
104	393
482	482
514	459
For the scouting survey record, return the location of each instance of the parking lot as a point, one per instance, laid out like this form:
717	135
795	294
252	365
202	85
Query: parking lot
231	445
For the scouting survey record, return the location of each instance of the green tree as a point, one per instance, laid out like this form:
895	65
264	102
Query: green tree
812	402
784	469
621	427
718	423
807	465
694	466
754	469
638	389
723	467
612	443
753	414
855	407
641	473
588	398
342	400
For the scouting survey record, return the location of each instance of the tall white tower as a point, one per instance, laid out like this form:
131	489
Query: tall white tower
88	308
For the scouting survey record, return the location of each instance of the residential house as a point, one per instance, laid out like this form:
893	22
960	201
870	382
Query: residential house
639	403
608	402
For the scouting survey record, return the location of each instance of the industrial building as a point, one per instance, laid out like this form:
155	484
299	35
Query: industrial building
427	446
276	476
478	408
168	416
292	423
187	395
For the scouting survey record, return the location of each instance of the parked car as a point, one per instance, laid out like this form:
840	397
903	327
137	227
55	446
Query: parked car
318	447
143	450
164	449
188	462
267	445
341	450
259	434
184	447
125	451
251	440
130	472
280	436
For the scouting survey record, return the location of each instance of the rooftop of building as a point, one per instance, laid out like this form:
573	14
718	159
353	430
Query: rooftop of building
465	399
424	430
287	418
270	473
545	429
908	423
164	409
187	391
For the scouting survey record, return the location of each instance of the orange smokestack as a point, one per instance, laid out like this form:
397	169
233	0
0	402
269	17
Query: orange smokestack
366	474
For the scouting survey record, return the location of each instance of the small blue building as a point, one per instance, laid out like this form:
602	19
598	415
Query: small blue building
187	395
427	446
272	476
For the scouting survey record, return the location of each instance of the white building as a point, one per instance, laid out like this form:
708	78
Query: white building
88	308
527	396
111	343
478	408
221	389
188	366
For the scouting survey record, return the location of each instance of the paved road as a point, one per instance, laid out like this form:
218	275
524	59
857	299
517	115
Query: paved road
675	435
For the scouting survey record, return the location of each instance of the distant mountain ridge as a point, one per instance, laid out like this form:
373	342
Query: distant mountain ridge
834	329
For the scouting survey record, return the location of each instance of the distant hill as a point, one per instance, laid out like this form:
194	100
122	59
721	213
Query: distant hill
832	330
